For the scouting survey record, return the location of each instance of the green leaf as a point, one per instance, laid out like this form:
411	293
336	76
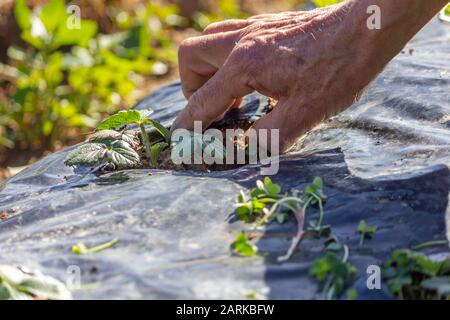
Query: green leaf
244	213
331	269
440	284
281	217
23	15
66	37
271	188
334	246
120	119
17	53
318	183
315	189
159	127
80	248
396	285
325	3
352	294
53	14
118	154
320	269
89	154
242	246
241	197
155	150
111	135
15	284
122	156
407	273
365	229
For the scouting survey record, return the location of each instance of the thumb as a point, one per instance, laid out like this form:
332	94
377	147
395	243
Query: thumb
213	99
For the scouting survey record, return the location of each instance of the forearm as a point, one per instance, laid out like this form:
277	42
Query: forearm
400	21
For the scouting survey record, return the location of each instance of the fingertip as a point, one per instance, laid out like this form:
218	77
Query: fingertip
237	104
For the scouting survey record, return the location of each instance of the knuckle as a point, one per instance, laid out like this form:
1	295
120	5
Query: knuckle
248	55
211	27
185	47
198	109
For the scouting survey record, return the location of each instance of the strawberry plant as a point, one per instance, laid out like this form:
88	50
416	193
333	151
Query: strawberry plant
267	203
412	275
365	231
333	273
114	148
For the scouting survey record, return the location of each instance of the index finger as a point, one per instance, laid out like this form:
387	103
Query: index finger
213	99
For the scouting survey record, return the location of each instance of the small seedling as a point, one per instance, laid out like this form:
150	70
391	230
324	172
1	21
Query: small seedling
80	248
266	203
365	231
242	246
412	275
100	149
335	274
112	149
155	150
140	118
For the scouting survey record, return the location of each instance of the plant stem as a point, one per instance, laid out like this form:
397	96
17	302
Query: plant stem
274	208
145	141
103	246
430	244
361	241
300	216
346	254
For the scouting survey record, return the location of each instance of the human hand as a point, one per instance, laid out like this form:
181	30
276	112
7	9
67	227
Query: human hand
314	63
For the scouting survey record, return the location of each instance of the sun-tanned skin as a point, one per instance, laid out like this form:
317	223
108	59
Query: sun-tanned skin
314	63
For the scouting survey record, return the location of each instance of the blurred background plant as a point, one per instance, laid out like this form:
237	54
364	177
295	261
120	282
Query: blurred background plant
57	81
59	78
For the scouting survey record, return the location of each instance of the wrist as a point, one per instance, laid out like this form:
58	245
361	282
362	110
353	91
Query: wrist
386	29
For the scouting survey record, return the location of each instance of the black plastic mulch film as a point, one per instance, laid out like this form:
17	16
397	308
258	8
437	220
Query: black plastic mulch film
384	160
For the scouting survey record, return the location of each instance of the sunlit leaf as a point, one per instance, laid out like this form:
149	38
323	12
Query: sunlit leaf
111	135
325	3
118	154
23	15
119	119
364	228
88	154
75	36
122	156
159	127
242	246
53	14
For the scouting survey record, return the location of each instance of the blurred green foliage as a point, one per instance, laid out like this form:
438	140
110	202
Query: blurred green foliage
226	9
70	75
324	3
